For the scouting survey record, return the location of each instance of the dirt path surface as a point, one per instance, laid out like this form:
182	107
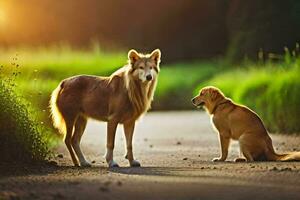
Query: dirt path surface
175	149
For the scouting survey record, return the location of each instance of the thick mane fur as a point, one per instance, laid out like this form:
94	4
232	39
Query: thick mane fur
140	94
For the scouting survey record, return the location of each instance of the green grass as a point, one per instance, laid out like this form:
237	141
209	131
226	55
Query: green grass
176	83
60	62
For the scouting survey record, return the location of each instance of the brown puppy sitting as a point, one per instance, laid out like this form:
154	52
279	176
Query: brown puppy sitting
239	123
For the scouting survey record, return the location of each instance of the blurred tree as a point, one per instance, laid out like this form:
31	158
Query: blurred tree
269	25
189	29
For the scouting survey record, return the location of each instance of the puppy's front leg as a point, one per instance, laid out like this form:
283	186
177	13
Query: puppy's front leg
224	144
129	130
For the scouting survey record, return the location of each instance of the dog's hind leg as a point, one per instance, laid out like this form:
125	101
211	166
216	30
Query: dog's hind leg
245	147
247	155
129	130
110	143
68	140
240	158
80	125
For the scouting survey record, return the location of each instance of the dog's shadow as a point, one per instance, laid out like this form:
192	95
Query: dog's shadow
157	171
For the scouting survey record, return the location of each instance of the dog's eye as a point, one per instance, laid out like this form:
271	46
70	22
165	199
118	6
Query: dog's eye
151	67
141	67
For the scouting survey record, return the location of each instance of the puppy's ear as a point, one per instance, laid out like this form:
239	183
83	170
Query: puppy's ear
214	94
133	56
155	55
201	92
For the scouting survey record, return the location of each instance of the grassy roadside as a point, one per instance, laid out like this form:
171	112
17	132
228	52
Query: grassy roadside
262	87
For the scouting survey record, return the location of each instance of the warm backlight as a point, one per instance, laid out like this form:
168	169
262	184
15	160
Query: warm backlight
2	17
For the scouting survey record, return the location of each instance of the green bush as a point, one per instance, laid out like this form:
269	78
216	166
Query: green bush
22	138
281	103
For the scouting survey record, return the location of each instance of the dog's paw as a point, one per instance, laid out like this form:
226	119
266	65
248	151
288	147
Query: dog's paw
217	160
135	163
112	164
85	164
240	160
76	165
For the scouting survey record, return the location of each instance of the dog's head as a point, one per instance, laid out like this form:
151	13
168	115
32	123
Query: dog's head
208	97
144	67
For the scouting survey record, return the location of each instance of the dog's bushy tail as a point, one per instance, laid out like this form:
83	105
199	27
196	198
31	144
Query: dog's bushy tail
273	156
293	156
57	118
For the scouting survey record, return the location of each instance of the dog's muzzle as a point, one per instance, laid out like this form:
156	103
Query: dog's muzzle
199	104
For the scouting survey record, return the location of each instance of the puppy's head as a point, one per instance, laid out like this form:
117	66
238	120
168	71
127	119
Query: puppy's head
208	97
144	67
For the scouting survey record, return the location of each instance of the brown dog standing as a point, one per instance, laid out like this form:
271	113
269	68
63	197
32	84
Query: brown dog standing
239	123
118	99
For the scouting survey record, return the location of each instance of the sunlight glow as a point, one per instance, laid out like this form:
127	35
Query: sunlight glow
2	17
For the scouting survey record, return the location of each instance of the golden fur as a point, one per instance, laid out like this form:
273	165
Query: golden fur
239	123
120	98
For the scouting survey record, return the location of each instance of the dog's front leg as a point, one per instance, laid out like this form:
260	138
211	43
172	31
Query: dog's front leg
110	144
129	130
224	144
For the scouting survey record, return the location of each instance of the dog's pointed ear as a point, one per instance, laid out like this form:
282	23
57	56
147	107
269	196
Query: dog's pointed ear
155	55
133	56
215	94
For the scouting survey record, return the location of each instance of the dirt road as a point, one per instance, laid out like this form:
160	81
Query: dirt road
175	149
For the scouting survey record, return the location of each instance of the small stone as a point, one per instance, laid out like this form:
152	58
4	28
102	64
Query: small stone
199	155
184	158
252	166
202	168
60	155
119	183
274	169
178	143
53	163
93	161
151	146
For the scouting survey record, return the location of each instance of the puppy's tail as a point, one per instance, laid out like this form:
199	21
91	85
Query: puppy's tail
57	118
293	156
273	156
